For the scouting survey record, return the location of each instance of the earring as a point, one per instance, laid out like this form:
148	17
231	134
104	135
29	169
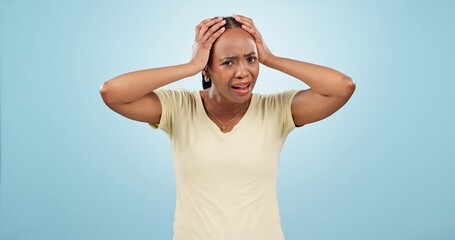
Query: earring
206	79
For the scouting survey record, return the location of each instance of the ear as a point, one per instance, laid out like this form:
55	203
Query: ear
205	71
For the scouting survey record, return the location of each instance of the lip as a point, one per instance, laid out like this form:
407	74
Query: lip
241	92
241	84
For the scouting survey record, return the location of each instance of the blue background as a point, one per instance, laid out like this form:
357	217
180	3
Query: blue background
382	167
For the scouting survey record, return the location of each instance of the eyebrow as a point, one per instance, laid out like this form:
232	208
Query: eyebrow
235	57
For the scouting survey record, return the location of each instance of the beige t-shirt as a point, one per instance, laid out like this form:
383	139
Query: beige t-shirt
226	182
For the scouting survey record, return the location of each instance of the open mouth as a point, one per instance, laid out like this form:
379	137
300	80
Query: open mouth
242	86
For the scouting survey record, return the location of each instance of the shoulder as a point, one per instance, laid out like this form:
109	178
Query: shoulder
175	95
275	110
178	101
174	92
276	99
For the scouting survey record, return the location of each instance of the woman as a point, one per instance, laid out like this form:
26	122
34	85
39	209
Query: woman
226	139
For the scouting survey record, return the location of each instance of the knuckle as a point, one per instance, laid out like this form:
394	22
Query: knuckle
206	44
213	28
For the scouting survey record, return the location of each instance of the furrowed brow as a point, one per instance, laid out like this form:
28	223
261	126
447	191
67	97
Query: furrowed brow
228	58
236	57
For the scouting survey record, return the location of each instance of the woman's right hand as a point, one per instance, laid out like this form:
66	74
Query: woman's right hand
206	33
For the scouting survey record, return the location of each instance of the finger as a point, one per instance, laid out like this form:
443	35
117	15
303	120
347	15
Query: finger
205	25
210	21
198	27
244	20
252	31
213	29
215	35
242	17
247	23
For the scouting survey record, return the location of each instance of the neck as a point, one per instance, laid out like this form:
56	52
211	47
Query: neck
224	107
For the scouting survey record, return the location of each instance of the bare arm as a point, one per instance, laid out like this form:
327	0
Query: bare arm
131	94
329	89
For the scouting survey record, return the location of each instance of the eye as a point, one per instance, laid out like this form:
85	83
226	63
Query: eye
228	63
252	59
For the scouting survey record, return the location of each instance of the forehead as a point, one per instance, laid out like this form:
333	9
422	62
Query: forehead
234	41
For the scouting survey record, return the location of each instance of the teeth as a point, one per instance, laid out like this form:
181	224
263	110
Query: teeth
241	87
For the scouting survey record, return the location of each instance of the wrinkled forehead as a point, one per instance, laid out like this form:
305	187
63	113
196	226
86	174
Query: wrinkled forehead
234	41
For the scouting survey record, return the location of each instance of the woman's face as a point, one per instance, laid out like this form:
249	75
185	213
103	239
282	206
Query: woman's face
233	67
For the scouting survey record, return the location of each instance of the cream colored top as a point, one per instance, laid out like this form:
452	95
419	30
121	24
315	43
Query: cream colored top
226	182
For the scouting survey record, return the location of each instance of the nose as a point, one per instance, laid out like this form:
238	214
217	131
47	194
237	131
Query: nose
242	71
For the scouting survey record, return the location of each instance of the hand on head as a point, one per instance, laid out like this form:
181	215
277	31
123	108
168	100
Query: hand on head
210	29
206	33
247	23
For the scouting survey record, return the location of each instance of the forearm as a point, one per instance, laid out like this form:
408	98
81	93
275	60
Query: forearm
131	86
323	80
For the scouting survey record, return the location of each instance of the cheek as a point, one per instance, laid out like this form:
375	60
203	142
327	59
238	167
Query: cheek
218	78
255	71
221	74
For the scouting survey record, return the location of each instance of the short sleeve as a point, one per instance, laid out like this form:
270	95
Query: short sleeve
283	107
170	104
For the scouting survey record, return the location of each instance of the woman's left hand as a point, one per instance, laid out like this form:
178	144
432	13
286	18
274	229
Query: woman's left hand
264	53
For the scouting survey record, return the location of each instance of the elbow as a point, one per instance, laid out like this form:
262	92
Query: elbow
106	90
348	86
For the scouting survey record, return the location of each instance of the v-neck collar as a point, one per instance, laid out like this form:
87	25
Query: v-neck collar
212	124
